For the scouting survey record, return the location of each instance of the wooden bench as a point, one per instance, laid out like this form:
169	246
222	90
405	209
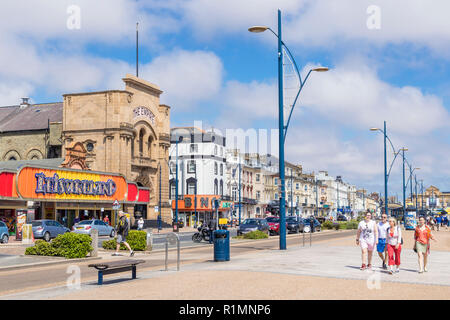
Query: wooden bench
115	267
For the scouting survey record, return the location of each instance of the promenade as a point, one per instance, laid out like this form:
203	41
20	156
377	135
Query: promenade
329	269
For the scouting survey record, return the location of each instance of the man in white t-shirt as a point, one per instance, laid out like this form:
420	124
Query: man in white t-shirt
367	239
381	246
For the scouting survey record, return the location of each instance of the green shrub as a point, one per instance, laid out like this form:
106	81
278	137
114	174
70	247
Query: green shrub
352	224
41	248
327	225
256	235
68	245
136	239
336	226
343	225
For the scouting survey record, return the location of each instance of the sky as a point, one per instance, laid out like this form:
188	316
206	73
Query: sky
389	61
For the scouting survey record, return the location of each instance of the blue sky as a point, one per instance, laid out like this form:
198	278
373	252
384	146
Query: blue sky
212	69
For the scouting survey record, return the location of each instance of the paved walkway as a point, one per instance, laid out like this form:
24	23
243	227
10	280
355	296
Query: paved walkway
327	270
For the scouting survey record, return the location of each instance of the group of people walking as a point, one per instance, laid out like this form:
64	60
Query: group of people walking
386	237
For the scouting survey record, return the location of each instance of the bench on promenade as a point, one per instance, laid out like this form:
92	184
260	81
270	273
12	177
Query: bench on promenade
116	267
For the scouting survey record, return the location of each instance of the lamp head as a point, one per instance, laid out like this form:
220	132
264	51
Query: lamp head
321	69
374	129
258	29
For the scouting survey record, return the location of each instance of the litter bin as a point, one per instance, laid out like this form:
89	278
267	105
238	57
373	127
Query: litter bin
221	240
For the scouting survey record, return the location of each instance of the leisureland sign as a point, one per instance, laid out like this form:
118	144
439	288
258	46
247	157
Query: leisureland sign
54	184
63	184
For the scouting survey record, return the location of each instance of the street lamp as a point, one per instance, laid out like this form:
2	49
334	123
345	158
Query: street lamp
385	165
175	226
281	127
403	185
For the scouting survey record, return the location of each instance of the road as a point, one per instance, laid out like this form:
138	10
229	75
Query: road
50	276
160	239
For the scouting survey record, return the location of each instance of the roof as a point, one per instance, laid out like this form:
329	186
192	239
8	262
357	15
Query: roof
32	117
15	165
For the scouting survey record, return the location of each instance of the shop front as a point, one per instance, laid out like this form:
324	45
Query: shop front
194	209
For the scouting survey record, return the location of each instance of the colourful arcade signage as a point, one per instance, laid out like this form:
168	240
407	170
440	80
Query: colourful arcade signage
200	203
39	183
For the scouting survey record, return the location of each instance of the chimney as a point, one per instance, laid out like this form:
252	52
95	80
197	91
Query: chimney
24	103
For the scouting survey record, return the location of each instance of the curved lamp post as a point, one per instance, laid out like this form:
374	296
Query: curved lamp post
281	127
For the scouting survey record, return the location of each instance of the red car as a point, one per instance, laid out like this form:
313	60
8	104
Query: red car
274	225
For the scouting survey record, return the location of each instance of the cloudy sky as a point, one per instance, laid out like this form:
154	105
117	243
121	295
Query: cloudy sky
389	60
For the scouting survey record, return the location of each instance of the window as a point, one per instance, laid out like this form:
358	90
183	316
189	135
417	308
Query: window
216	187
194	148
215	168
257	177
97	222
221	169
297	186
141	141
215	150
191	166
172	167
90	147
234	193
172	190
221	188
12	159
258	195
276	196
306	187
276	181
191	187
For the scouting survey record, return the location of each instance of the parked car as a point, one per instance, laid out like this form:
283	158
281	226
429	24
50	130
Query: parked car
341	217
86	227
274	225
253	224
305	225
293	224
47	229
4	234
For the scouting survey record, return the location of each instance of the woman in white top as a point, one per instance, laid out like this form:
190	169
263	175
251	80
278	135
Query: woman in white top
367	239
394	245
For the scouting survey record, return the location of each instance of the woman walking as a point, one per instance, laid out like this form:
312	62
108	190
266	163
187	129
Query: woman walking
394	245
367	239
422	237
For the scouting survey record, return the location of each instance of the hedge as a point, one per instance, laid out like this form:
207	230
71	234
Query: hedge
69	245
256	235
136	239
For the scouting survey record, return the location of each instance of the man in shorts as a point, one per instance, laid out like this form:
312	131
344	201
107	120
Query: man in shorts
122	233
381	246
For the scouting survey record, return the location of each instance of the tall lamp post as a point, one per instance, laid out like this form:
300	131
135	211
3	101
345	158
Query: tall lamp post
403	185
175	225
281	127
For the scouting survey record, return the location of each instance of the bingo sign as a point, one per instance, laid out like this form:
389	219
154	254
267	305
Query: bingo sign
39	183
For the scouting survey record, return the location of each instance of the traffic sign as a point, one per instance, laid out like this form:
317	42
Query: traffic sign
156	208
116	205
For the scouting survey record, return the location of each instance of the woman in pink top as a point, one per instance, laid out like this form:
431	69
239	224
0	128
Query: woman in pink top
394	245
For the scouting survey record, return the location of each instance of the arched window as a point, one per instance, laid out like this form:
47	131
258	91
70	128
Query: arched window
150	145
12	159
141	142
221	188
216	187
215	168
221	169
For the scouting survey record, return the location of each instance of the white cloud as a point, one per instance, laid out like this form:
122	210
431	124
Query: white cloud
187	77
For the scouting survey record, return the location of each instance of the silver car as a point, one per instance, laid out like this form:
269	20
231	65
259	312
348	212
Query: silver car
86	227
4	234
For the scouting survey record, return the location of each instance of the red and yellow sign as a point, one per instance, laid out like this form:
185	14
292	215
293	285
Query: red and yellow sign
63	184
204	203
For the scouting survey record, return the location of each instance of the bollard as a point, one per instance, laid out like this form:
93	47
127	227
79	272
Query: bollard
172	238
167	254
149	239
303	237
94	243
310	238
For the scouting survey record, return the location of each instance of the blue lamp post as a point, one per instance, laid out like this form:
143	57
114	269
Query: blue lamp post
175	226
281	127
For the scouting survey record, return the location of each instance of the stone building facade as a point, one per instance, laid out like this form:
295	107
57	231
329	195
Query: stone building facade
124	131
30	131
